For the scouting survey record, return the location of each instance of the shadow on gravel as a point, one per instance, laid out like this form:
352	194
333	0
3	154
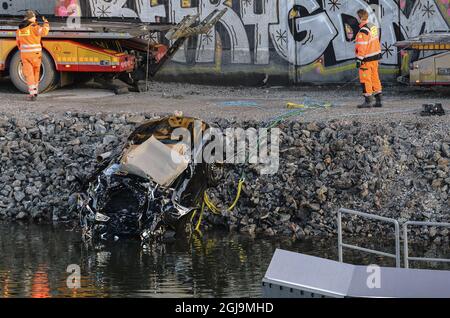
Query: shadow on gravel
6	87
390	89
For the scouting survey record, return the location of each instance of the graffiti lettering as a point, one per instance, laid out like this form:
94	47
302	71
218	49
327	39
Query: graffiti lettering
343	47
323	23
261	32
261	21
424	17
111	8
239	46
318	29
176	14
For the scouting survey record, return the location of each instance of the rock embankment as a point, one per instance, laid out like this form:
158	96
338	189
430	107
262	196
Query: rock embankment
41	158
395	169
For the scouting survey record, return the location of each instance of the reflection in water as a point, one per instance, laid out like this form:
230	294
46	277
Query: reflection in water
34	260
40	287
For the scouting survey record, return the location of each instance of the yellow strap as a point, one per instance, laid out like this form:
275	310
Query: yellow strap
238	195
214	209
199	222
193	215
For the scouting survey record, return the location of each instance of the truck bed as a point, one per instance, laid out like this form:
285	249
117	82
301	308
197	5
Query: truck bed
431	41
90	28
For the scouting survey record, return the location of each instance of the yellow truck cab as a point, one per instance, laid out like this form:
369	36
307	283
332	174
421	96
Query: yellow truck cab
99	48
429	60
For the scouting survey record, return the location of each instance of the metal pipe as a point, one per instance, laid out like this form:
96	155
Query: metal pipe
424	223
368	250
369	216
426	259
374	217
104	156
341	256
397	238
405	245
397	244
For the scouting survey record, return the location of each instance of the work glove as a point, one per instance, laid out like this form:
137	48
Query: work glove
358	63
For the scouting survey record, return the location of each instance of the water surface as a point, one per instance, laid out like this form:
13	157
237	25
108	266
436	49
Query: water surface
34	259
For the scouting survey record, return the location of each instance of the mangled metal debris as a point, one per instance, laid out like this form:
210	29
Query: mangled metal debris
150	188
432	110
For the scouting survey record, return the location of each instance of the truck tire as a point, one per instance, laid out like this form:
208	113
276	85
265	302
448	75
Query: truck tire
49	75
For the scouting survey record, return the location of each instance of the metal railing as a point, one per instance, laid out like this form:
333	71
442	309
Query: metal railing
405	242
341	244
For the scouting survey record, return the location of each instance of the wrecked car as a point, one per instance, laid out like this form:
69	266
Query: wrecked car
150	188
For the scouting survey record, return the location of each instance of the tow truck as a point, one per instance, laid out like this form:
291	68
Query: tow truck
103	49
429	60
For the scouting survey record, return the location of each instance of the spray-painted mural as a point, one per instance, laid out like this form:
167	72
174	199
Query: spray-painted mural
306	40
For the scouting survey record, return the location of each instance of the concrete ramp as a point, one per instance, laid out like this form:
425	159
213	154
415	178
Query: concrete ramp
294	275
77	94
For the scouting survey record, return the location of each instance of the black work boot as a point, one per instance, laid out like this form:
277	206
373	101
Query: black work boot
378	101
367	103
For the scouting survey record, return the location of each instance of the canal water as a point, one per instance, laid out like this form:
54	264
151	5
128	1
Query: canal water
34	261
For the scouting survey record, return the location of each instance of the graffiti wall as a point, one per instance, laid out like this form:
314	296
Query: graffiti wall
298	40
17	7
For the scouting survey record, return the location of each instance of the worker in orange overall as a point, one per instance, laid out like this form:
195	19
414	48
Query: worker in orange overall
28	38
368	54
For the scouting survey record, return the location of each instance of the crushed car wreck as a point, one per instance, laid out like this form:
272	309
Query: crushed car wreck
151	187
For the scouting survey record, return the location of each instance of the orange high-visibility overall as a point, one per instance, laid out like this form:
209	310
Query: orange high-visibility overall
29	42
368	51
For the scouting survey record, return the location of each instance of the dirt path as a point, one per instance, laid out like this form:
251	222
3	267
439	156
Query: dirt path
220	102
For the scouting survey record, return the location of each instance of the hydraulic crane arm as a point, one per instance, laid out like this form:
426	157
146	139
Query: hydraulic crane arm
185	30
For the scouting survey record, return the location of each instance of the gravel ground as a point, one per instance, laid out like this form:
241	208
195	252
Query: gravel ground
387	161
233	103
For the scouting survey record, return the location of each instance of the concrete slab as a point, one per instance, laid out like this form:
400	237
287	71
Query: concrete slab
298	275
77	94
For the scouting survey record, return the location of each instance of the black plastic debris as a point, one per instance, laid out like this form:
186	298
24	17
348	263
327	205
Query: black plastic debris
432	110
140	191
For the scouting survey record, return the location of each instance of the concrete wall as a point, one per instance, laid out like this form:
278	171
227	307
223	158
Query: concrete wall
257	38
17	7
